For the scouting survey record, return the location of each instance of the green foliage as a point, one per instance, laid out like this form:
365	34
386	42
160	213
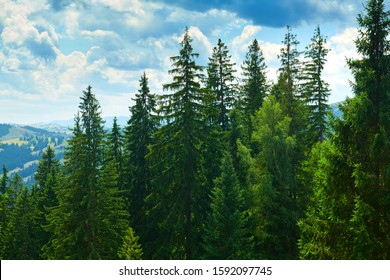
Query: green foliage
350	206
131	249
270	178
138	137
221	82
225	234
255	86
20	238
177	157
314	89
89	220
222	172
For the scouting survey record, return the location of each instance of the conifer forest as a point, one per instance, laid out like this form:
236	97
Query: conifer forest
217	167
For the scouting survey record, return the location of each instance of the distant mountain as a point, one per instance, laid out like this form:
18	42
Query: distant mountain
64	125
21	148
335	108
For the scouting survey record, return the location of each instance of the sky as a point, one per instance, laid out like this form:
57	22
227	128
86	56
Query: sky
51	50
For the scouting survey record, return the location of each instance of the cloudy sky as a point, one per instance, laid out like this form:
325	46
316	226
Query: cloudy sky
51	50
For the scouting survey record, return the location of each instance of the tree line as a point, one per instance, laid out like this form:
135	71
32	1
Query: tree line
220	169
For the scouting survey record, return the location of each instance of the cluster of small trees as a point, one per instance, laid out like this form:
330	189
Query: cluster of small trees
216	169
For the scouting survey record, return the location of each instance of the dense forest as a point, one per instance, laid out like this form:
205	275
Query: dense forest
221	168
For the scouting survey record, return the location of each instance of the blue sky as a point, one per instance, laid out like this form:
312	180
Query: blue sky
51	50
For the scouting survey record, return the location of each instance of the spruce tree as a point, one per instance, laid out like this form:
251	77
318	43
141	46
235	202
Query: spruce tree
255	86
4	180
221	82
315	90
355	202
177	157
131	249
286	89
4	218
89	220
20	240
138	137
287	92
225	235
115	140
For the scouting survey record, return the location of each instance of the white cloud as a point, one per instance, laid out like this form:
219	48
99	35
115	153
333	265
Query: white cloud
239	44
201	42
244	39
336	71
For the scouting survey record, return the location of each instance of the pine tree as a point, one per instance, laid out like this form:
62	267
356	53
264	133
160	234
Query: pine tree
20	240
89	221
138	138
225	235
177	158
221	82
286	89
115	140
2	228
4	180
292	103
4	210
255	86
314	89
270	178
355	202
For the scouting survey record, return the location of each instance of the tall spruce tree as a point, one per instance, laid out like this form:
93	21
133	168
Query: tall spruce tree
286	89
89	221
355	199
293	105
315	90
18	238
221	82
177	157
138	137
21	242
115	140
48	178
255	86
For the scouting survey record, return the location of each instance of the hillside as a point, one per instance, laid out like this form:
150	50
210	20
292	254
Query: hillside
22	146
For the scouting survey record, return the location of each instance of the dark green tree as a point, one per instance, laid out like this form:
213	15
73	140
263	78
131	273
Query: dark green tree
354	203
287	92
115	141
138	137
21	242
43	197
177	157
4	180
255	86
4	210
286	89
225	234
315	90
221	82
89	220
